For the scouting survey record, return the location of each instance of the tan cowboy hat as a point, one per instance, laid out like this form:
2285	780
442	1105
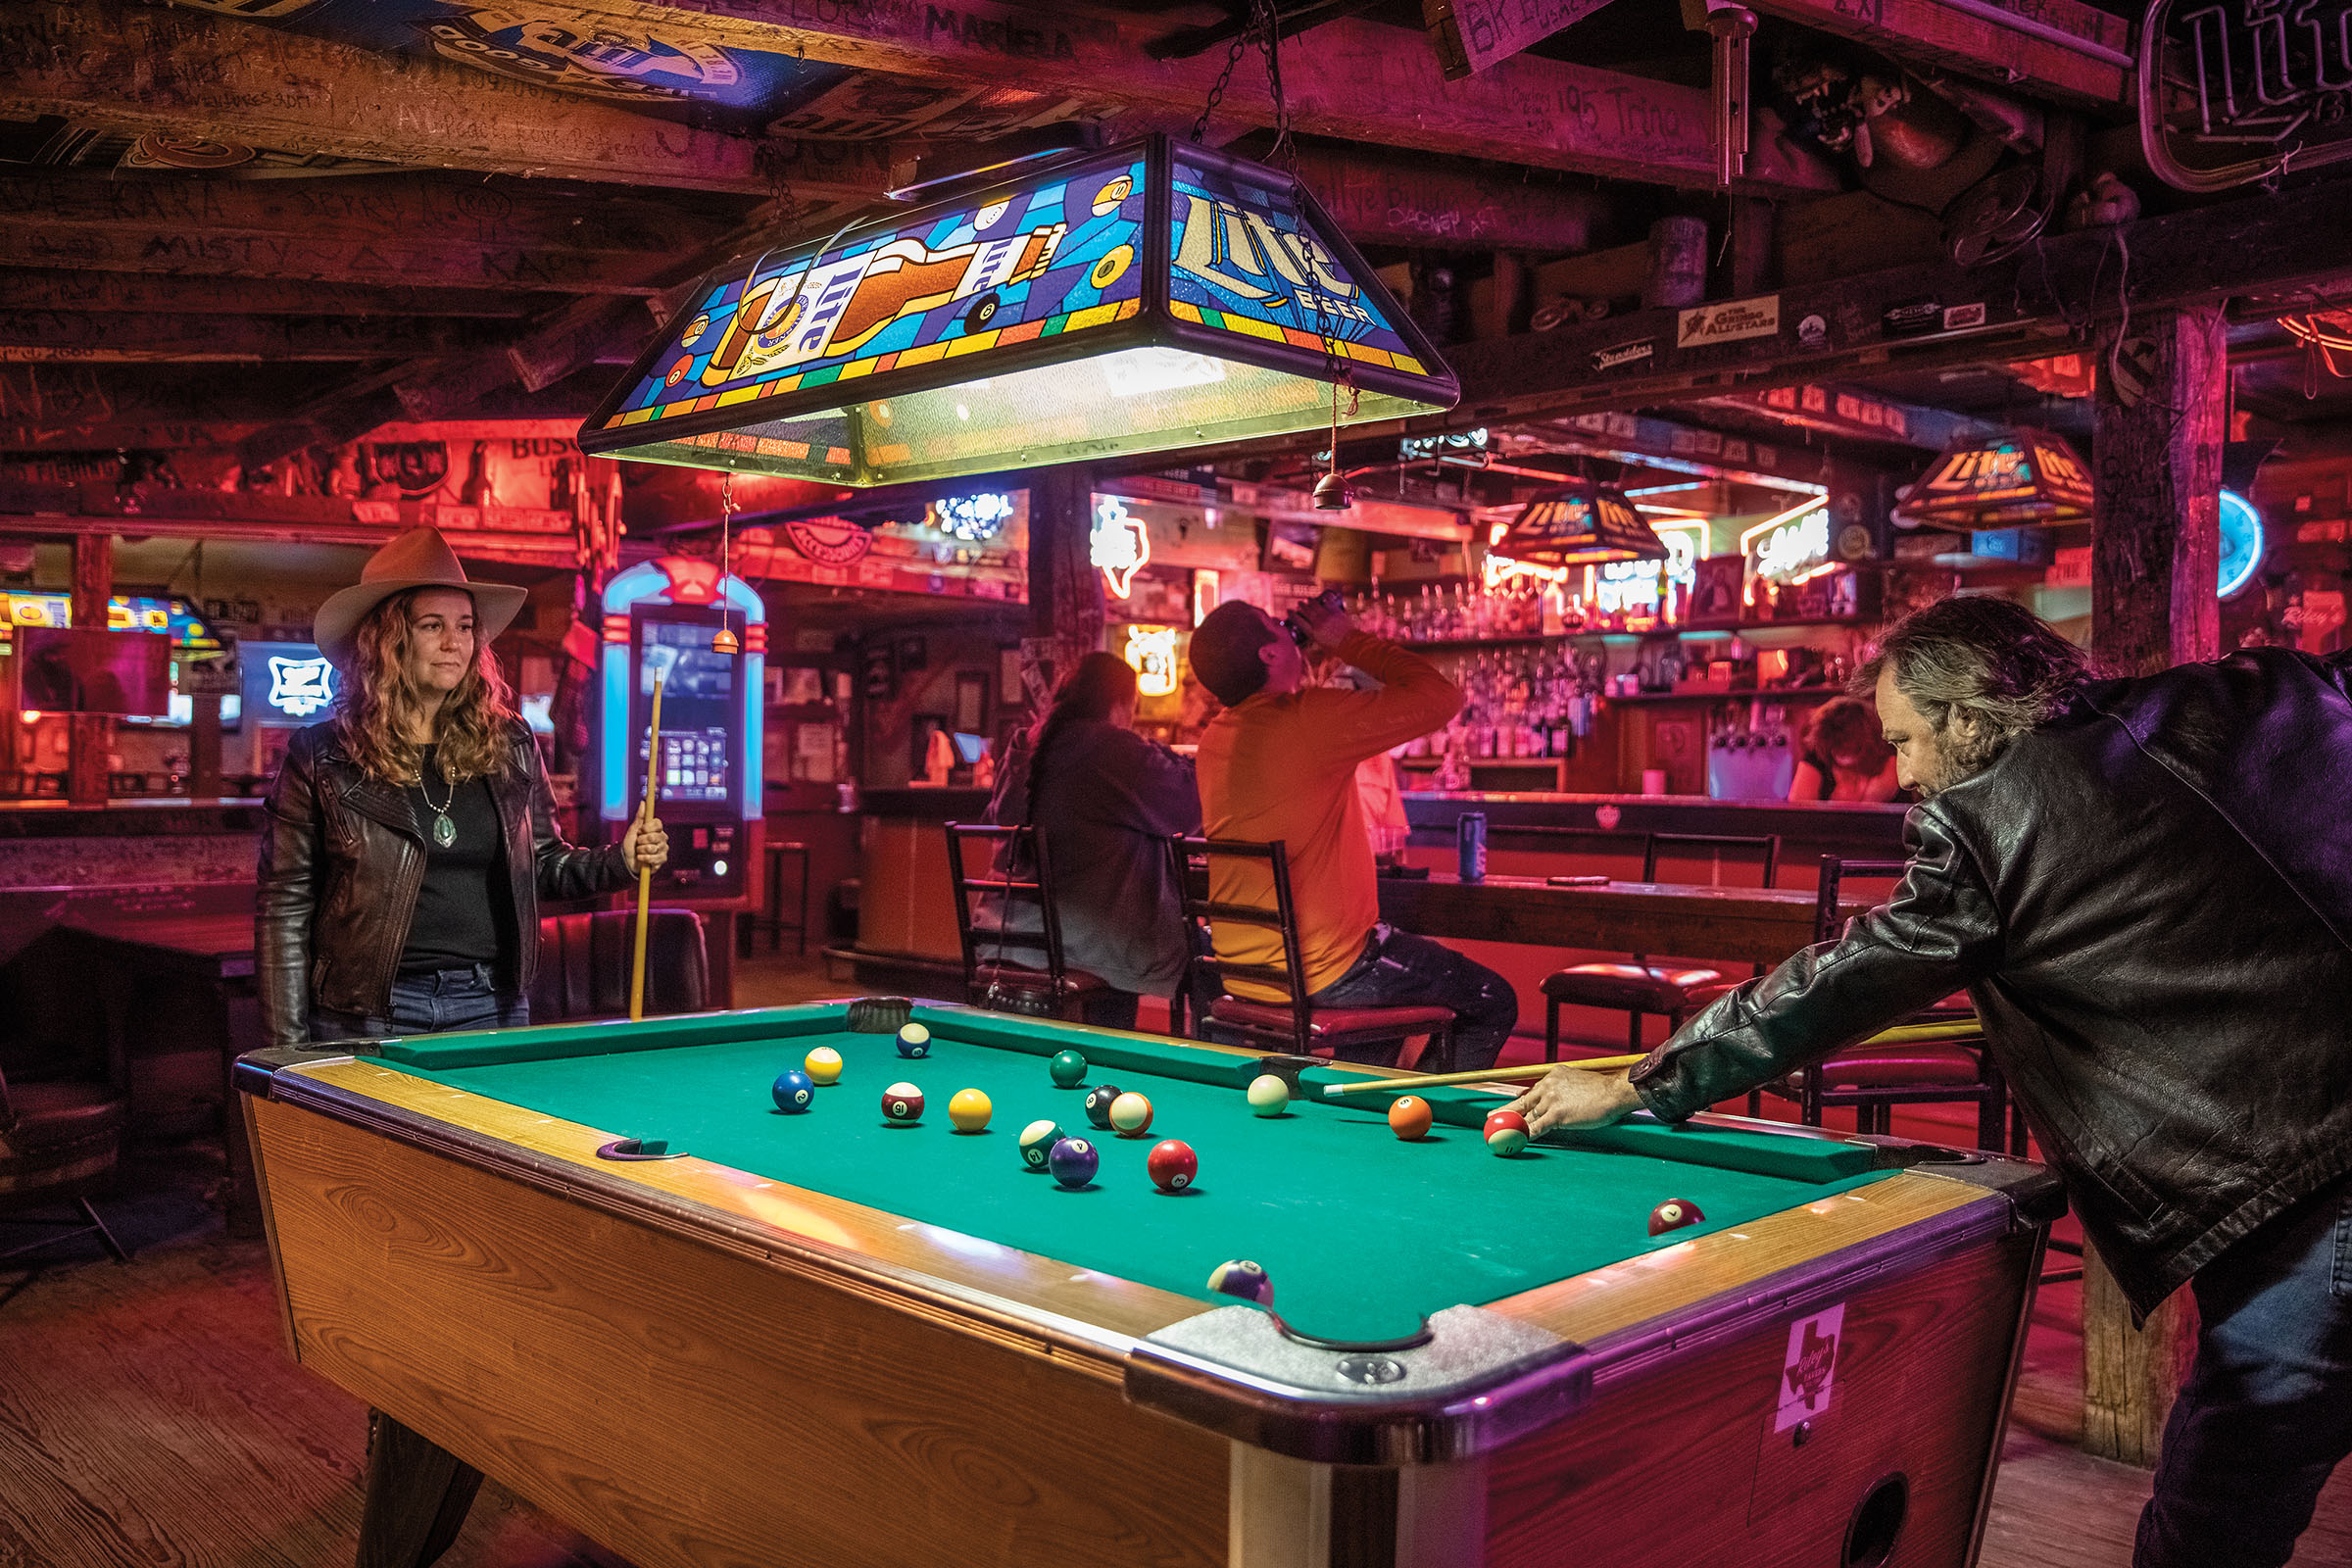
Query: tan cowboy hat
417	559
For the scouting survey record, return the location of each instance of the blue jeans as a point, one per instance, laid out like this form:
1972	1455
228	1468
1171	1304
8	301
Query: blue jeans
1398	968
2267	1410
429	1004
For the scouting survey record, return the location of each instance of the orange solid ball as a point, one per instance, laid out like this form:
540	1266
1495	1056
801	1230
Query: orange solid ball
1410	1117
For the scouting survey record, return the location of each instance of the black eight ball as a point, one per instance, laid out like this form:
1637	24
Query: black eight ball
1097	1104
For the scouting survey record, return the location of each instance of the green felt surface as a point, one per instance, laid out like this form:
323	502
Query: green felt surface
1362	1233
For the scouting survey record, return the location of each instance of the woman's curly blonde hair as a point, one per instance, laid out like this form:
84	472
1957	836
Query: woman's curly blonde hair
473	728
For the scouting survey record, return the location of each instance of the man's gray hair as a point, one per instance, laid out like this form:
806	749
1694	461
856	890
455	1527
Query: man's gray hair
1989	662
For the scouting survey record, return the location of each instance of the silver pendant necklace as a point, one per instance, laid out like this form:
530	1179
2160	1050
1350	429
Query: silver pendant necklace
445	831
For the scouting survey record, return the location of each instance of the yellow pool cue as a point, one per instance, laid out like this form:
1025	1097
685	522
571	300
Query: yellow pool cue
645	872
1909	1034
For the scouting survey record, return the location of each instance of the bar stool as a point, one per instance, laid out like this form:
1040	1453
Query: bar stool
1641	987
1295	1022
1875	1079
772	920
1052	990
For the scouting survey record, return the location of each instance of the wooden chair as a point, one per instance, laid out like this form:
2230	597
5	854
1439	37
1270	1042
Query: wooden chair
1295	1022
59	1144
1875	1079
1641	987
1050	989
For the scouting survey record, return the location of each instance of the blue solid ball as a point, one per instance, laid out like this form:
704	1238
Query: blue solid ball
795	1091
1073	1162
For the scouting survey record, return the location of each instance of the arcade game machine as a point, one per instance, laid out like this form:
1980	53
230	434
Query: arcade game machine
709	633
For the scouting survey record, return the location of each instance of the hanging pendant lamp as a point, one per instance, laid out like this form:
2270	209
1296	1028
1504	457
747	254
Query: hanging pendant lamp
1142	298
1579	523
2004	481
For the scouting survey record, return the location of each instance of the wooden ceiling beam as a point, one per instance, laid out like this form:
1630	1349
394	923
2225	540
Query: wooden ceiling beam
63	337
2059	49
1349	79
183	71
98	292
2026	307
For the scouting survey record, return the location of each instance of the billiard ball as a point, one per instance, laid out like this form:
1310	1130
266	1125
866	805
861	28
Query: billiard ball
1506	1133
1243	1279
1672	1215
1073	1161
1410	1117
823	1064
969	1109
1037	1143
794	1092
1097	1104
1131	1115
1269	1095
903	1103
914	1041
1172	1165
1069	1069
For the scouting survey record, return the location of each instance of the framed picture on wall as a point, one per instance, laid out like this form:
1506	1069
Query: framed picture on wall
881	672
1009	674
972	700
803	683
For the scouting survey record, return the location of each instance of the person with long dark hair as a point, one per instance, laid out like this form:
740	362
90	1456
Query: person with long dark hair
1845	757
1104	800
411	837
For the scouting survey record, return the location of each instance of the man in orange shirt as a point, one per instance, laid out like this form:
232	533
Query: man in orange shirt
1279	763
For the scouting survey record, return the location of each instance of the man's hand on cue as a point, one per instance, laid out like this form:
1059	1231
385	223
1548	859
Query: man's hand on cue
1573	1097
646	847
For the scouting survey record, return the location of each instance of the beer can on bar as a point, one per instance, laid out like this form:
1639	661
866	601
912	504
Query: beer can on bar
1470	845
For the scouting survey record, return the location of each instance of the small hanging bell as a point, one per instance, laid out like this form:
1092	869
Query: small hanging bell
724	641
1332	493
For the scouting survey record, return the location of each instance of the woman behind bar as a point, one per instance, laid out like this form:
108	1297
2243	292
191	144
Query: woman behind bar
411	837
1845	758
1104	800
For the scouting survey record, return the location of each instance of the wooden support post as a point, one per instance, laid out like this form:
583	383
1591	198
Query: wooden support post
1066	610
204	746
93	734
2154	580
2156	447
1752	222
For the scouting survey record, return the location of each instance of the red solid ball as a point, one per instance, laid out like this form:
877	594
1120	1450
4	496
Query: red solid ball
1172	1165
1503	1119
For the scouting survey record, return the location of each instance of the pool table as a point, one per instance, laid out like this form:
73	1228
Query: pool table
828	1339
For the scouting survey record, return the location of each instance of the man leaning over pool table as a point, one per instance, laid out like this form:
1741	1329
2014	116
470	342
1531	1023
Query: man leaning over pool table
2146	887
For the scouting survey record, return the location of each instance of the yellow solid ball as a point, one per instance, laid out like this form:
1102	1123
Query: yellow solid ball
969	1109
823	1065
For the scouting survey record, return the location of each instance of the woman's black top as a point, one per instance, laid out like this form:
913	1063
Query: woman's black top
465	909
1829	775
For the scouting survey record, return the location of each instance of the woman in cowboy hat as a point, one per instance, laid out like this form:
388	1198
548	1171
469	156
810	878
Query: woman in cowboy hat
411	837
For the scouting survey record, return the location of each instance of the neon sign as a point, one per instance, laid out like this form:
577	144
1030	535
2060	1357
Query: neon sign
1151	653
2241	542
1790	545
300	687
972	518
1633	585
1119	545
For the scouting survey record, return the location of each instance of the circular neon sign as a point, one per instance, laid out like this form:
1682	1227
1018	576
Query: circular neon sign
2241	542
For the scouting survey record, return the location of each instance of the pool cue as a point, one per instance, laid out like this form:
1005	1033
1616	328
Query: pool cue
645	872
1910	1034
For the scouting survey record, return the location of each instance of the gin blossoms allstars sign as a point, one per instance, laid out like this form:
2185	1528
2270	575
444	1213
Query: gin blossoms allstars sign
1139	299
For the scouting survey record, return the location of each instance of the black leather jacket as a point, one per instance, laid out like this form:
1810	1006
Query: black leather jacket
2150	899
342	859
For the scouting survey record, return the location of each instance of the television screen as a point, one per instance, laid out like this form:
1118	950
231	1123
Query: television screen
66	671
970	748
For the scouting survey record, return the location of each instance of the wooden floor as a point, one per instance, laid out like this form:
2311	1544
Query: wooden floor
149	1415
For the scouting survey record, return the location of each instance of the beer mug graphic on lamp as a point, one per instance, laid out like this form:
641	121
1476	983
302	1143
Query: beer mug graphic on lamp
1140	298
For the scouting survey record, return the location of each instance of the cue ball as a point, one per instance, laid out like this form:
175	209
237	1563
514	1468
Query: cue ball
1243	1279
1506	1133
794	1092
823	1065
1131	1115
1069	1069
903	1103
1073	1162
1037	1143
1269	1095
1172	1165
1097	1104
969	1109
1672	1215
914	1041
1410	1117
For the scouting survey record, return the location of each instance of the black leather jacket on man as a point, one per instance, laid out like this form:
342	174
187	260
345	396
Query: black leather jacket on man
2150	899
342	860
